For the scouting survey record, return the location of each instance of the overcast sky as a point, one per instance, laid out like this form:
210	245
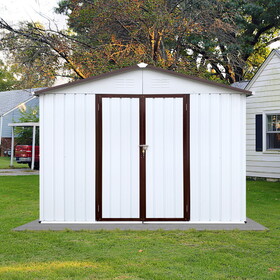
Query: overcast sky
14	11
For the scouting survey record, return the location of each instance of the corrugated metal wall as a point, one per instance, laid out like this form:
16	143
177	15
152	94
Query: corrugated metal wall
217	147
217	159
67	172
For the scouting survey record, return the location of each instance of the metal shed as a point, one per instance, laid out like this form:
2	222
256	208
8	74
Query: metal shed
142	144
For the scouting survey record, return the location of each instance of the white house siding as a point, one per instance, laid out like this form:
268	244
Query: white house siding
217	146
266	85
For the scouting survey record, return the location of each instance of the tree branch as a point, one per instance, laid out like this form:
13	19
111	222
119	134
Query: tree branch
44	40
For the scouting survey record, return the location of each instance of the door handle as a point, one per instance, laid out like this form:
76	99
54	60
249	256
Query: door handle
144	148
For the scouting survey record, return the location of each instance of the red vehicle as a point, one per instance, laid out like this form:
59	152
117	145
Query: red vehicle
23	154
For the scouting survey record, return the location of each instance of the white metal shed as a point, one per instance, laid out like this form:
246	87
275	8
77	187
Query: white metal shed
142	144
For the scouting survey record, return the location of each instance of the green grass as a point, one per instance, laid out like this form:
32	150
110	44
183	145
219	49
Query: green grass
5	163
132	254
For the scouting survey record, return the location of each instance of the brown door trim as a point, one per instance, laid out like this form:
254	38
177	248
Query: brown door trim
98	162
142	158
186	158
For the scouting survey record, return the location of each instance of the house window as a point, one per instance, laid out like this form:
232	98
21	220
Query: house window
273	132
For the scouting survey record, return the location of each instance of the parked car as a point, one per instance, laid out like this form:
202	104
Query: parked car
23	154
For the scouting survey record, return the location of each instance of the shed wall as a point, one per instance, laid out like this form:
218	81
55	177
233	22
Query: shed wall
217	146
217	162
67	172
266	99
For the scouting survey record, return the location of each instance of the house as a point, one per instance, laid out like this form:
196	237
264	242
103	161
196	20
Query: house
263	120
142	144
11	105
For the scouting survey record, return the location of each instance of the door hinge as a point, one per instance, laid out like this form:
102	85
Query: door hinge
97	208
98	107
186	107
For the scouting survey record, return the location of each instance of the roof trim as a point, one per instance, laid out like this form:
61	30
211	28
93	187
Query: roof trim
135	67
264	64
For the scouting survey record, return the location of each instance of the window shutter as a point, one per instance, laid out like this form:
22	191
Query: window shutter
259	133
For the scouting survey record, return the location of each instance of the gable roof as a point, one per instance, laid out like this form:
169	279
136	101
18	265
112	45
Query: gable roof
11	99
136	67
264	64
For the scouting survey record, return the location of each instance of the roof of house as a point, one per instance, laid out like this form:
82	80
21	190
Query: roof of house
241	84
138	67
11	99
264	64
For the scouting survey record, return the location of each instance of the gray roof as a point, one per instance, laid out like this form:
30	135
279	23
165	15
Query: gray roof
11	99
240	85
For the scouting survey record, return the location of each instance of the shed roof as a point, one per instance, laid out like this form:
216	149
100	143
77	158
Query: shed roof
11	99
137	67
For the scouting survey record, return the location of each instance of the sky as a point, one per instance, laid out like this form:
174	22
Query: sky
14	11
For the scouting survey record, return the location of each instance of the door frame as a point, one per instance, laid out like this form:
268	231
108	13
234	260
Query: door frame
142	161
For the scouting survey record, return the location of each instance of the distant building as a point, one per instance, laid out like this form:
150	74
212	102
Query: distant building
11	105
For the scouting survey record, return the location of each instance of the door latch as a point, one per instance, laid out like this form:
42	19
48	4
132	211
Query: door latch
144	148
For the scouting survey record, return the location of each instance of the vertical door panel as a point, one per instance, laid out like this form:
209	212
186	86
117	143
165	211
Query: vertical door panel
164	158
120	160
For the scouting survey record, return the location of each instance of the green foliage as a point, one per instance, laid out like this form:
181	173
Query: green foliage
223	40
115	254
34	63
7	79
24	134
230	37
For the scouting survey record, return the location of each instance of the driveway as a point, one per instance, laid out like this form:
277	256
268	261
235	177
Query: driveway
18	171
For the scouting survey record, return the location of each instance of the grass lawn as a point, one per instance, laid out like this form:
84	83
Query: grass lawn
136	255
5	163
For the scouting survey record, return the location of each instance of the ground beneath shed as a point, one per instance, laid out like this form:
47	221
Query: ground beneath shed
36	226
18	172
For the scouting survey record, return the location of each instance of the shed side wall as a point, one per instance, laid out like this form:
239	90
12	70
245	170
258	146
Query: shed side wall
266	99
217	147
67	173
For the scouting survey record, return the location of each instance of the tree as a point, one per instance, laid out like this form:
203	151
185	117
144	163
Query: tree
230	36
158	32
32	62
217	39
105	35
7	79
258	25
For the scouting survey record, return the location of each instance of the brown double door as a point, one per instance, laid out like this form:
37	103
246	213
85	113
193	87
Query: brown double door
142	157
